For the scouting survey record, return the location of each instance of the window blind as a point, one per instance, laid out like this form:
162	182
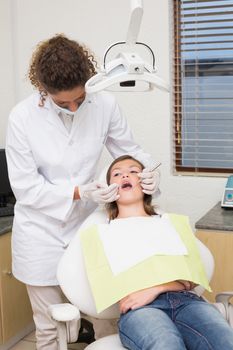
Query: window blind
203	86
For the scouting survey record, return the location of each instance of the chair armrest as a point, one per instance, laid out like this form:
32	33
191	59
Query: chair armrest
224	297
64	312
224	300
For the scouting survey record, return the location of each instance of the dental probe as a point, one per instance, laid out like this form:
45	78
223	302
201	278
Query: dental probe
156	166
153	169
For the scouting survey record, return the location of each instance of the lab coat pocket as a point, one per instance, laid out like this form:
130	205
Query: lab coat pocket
92	149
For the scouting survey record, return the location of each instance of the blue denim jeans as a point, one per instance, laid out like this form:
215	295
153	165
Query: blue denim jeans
175	321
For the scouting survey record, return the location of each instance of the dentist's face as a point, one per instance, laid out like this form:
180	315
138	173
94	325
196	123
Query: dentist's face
125	174
69	100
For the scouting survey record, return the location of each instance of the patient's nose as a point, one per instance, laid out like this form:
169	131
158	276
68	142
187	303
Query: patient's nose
125	175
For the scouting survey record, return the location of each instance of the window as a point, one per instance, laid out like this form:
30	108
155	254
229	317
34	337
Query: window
203	86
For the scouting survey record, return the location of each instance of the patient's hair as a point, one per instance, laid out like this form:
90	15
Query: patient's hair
112	207
59	64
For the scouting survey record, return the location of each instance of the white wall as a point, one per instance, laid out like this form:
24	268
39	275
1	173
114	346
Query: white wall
98	24
7	93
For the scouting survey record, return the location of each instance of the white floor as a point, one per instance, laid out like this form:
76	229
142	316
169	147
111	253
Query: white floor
29	343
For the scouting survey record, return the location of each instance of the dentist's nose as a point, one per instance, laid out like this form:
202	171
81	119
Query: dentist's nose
73	106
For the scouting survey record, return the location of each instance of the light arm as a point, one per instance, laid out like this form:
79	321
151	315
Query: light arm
135	21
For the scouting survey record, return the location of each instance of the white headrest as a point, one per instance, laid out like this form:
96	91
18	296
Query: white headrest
103	173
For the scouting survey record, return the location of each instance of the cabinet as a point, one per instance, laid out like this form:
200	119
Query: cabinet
220	244
15	309
215	230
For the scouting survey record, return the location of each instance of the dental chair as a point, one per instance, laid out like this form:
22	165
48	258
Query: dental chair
74	283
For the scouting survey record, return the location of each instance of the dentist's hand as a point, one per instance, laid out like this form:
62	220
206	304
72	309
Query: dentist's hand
99	192
150	181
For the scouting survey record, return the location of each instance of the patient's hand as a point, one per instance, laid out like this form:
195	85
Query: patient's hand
138	299
187	284
146	296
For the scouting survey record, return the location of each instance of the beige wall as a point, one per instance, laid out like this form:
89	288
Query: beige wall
98	24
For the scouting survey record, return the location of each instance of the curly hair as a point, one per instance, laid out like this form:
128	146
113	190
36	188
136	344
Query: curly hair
60	64
112	207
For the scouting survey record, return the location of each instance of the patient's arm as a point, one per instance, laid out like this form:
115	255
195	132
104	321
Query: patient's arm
146	296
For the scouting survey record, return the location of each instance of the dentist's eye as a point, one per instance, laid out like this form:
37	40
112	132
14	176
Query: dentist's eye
60	104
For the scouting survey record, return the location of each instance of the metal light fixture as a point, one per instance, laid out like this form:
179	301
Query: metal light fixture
128	71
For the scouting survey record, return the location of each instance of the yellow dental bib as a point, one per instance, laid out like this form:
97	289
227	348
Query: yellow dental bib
107	288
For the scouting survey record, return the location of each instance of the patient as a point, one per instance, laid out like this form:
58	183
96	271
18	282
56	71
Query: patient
166	316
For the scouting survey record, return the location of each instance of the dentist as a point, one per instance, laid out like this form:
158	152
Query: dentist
54	141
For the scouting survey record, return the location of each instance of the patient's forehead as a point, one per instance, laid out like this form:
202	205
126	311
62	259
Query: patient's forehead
126	163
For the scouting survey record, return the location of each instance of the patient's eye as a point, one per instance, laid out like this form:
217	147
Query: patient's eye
116	174
135	170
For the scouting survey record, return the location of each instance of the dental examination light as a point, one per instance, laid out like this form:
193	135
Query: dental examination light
128	71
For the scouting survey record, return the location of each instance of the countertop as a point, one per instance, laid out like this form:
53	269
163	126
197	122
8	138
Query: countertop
217	218
5	224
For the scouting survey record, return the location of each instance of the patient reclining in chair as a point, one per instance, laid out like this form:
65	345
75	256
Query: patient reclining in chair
150	264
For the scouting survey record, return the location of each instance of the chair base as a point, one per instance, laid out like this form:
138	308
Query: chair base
86	332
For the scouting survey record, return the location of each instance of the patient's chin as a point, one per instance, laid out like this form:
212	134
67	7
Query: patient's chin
129	197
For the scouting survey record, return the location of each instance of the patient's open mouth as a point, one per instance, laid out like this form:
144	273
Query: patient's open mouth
126	185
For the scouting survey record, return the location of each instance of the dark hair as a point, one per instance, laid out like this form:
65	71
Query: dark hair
60	64
112	207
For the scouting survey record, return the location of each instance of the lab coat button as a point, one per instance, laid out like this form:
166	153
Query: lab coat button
71	142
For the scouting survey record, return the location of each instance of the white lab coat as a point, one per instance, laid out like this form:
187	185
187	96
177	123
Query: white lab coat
45	163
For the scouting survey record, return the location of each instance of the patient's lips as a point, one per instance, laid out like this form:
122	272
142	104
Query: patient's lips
126	185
